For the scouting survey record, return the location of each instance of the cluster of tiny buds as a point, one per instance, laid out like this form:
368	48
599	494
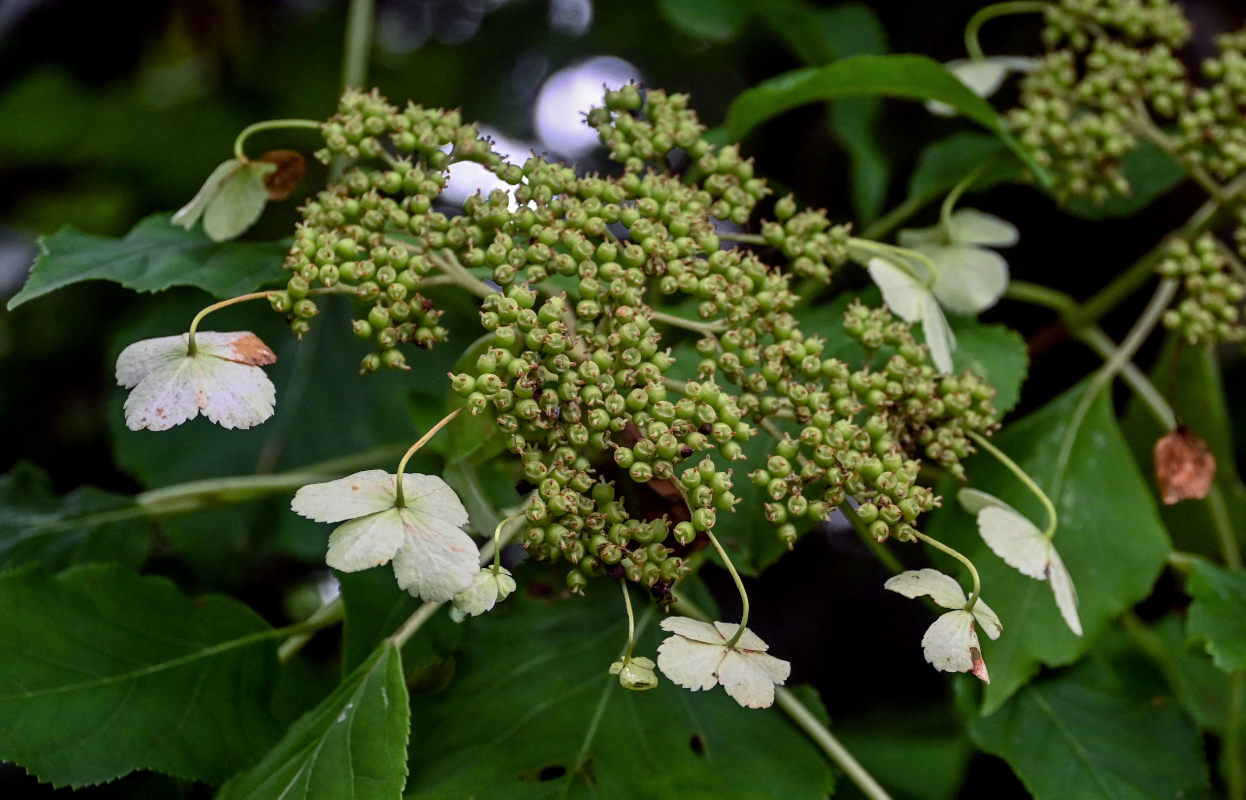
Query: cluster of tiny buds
589	285
1210	311
1213	135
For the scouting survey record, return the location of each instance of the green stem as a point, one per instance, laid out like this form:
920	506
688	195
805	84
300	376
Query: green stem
1021	475
1136	336
1223	525
739	585
399	499
631	622
972	47
743	238
1146	127
956	554
268	125
328	614
194	323
1097	340
1235	776
704	328
1039	295
896	216
953	197
824	739
459	275
498	539
359	26
899	256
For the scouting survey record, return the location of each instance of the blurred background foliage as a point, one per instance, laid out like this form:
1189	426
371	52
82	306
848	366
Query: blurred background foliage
110	112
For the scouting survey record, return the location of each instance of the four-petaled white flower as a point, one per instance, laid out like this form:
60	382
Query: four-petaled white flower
697	657
950	643
433	558
906	287
230	200
1023	547
222	379
487	590
635	673
983	76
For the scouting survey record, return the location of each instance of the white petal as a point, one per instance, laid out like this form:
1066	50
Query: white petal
354	496
165	397
242	347
971	226
1016	540
983	76
750	678
437	560
140	359
233	395
974	500
691	664
748	640
939	336
988	619
971	279
948	642
430	495
1064	590
944	590
189	214
902	292
367	542
694	629
480	597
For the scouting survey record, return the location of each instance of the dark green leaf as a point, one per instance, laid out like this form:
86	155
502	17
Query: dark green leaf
904	76
1110	538
997	353
921	755
1218	613
944	163
87	525
103	672
1152	173
1080	735
532	713
353	746
717	20
375	607
153	256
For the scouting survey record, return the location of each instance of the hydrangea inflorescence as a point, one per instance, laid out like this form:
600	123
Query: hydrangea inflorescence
591	288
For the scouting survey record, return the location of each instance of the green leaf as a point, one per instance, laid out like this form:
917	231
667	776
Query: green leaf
995	352
1110	538
353	746
103	672
1080	735
1152	173
922	754
1218	613
375	607
87	525
903	76
716	20
150	258
944	163
532	713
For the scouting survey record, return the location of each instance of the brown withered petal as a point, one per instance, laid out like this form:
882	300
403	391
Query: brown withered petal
290	168
1184	467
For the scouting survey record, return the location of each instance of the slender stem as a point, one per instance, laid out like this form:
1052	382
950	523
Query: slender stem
896	216
359	25
956	554
1021	475
953	197
823	738
194	323
399	499
631	622
1147	128
739	585
1133	340
328	614
1235	777
1097	340
498	539
705	328
972	47
866	248
1039	295
743	238
1223	525
268	125
460	276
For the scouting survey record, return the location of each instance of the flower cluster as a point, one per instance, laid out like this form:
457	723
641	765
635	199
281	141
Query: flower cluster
1210	312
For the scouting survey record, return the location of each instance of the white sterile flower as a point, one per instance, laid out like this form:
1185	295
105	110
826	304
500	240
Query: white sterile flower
222	379
635	673
697	657
983	76
487	590
433	558
230	200
1022	546
951	643
969	278
910	298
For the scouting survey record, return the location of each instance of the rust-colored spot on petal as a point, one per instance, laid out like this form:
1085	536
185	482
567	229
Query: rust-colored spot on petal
290	168
1184	467
979	666
249	349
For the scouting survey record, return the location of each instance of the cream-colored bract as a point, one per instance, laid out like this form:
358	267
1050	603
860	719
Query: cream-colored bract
487	590
912	301
1025	548
983	76
432	557
697	657
230	200
223	380
951	642
969	277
